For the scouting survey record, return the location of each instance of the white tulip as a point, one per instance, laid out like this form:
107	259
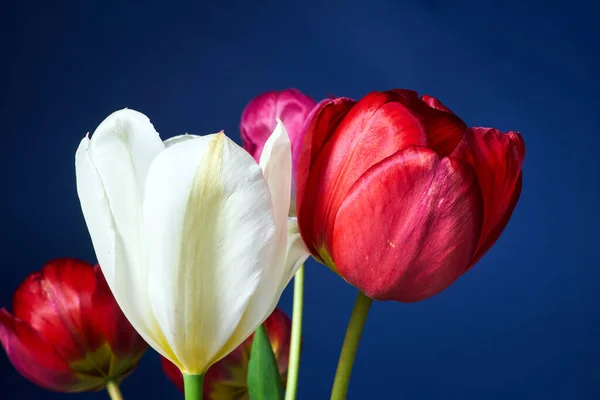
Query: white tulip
191	234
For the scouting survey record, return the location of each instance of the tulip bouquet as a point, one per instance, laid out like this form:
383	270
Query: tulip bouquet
196	238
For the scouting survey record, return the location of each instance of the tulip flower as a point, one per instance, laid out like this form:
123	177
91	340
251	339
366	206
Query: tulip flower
227	378
67	333
191	233
294	108
258	119
399	197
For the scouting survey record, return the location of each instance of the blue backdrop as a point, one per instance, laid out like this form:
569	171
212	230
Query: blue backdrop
523	324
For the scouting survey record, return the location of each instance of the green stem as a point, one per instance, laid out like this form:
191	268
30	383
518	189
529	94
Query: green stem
294	363
193	386
353	333
113	390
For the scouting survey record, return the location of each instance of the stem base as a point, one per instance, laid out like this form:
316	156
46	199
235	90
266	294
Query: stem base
193	386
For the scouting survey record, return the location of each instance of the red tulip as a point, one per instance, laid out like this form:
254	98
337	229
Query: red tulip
227	378
399	197
294	108
67	333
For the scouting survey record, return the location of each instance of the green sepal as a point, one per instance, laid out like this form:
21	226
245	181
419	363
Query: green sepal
264	380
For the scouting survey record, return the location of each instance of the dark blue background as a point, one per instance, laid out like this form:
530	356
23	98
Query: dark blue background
523	324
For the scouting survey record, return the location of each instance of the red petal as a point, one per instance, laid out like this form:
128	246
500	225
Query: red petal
497	230
279	330
372	130
56	302
404	96
33	357
444	129
497	159
320	129
230	371
172	372
409	226
297	141
325	120
107	320
435	103
228	377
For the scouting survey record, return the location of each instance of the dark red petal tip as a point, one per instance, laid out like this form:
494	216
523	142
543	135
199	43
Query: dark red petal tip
497	159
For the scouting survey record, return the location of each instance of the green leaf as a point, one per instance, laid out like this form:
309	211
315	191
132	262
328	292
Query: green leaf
264	381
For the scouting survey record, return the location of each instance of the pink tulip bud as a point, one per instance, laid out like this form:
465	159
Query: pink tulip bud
294	108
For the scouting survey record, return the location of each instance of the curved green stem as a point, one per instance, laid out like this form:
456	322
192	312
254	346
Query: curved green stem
113	390
193	386
291	385
353	333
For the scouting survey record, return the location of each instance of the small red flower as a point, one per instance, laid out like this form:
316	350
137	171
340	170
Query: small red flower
294	108
399	197
67	333
227	378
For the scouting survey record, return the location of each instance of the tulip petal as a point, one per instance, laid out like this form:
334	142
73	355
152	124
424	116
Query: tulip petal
33	357
173	373
325	120
497	159
279	329
276	164
95	208
297	253
444	129
409	226
375	128
179	138
208	236
259	118
108	320
228	377
294	108
290	251
435	104
111	171
55	301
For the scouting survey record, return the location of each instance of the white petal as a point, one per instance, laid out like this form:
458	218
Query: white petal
110	170
96	211
297	253
121	150
209	226
178	139
276	163
125	143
